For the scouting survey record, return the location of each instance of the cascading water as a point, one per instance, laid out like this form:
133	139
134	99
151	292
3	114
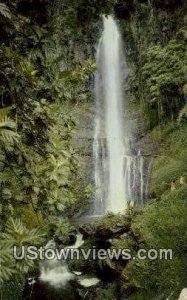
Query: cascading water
119	175
109	155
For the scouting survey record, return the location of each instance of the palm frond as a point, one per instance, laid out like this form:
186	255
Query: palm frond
6	261
5	11
20	235
16	234
7	122
8	135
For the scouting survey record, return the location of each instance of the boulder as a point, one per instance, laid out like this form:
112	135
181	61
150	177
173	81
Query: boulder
183	295
111	232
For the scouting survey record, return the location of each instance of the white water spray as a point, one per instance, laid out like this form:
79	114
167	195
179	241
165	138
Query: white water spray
120	175
109	170
56	272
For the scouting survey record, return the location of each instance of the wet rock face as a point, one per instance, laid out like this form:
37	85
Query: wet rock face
83	137
103	231
123	10
167	4
112	232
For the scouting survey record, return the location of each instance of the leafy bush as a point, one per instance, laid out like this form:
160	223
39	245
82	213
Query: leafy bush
16	234
171	162
163	75
162	225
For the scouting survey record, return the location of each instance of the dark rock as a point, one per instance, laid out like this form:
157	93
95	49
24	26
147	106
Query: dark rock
107	233
41	291
87	230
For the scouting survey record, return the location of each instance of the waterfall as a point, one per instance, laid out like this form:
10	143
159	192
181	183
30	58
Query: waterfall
119	170
56	272
109	140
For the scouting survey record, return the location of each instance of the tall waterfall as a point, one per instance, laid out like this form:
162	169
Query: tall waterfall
109	173
119	174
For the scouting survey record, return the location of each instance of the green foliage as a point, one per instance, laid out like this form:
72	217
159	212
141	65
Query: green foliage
29	216
13	289
79	15
163	276
163	75
172	204
8	134
170	164
108	293
16	234
4	11
6	261
61	230
44	67
111	220
156	44
19	235
89	192
40	76
182	118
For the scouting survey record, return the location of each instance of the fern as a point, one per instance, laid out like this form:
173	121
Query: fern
19	235
5	11
6	261
16	234
8	134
